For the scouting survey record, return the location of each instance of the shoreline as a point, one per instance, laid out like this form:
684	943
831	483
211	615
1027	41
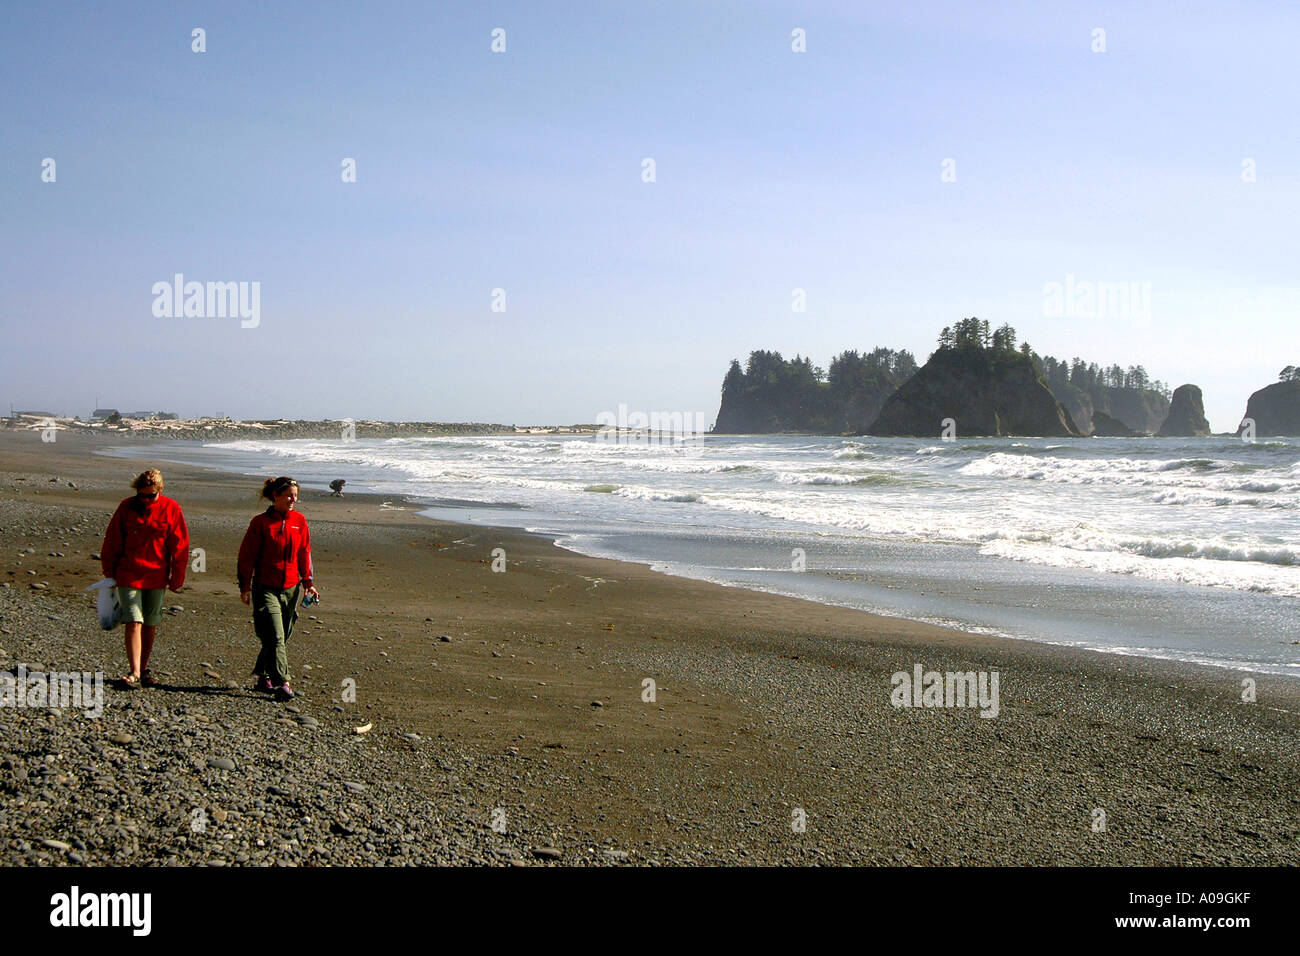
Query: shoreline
910	611
534	707
280	429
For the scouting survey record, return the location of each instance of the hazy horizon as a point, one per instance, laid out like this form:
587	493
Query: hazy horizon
1162	164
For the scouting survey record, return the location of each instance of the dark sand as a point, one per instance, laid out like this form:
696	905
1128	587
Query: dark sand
765	705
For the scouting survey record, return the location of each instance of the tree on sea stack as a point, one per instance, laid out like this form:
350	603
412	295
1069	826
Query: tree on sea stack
735	379
1004	339
981	381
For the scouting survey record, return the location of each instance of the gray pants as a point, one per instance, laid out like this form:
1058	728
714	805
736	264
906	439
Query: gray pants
274	614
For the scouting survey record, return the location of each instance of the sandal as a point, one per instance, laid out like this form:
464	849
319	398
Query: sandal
147	679
129	682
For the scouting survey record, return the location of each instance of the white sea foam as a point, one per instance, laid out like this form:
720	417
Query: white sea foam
1217	514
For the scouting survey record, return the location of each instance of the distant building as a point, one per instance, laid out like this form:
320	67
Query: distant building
99	414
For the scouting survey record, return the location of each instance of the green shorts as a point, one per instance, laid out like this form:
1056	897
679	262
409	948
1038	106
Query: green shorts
141	606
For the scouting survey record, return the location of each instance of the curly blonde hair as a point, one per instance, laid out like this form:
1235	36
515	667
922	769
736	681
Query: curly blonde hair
148	478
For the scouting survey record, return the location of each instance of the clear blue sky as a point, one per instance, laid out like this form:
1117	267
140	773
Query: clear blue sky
522	170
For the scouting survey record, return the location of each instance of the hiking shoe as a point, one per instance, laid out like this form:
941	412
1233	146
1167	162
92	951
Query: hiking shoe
284	692
264	686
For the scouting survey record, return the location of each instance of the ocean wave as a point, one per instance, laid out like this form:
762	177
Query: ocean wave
1202	571
1204	472
854	450
1092	539
1177	511
1183	496
845	480
641	493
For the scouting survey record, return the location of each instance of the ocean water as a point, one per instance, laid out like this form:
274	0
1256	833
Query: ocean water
1186	549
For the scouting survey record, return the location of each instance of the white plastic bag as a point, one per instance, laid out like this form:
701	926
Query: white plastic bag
110	608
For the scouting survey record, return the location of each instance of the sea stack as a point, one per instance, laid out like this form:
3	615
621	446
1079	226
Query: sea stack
1186	417
1103	426
983	391
1275	409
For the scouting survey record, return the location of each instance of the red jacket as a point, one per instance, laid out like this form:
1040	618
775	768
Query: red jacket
146	545
276	551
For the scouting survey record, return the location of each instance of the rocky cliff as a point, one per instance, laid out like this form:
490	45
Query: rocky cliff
1103	426
985	391
774	394
1140	410
1275	409
1186	417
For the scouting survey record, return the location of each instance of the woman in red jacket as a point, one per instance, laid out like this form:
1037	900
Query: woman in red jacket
146	550
274	571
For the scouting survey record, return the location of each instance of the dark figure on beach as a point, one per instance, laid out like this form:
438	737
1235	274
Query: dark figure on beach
274	573
336	486
146	550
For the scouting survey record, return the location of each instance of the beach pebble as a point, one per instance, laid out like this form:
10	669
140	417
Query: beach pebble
38	585
444	638
547	853
221	763
56	845
353	786
122	739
